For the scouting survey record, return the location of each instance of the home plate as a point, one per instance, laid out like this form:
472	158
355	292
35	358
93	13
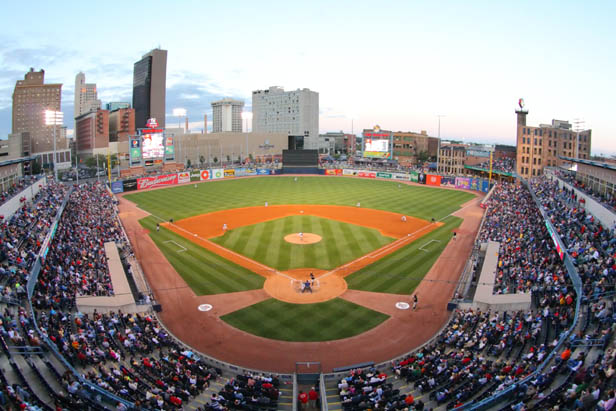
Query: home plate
208	307
402	305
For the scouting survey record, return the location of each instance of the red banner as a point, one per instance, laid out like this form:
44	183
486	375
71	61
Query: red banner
333	172
158	181
367	174
433	180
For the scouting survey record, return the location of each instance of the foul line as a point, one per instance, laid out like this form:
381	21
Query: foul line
429	242
179	245
263	266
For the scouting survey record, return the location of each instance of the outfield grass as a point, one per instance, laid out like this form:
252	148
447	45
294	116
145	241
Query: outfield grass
185	201
341	242
330	320
205	272
401	271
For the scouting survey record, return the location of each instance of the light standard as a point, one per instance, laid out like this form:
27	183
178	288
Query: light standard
179	113
246	116
54	118
438	150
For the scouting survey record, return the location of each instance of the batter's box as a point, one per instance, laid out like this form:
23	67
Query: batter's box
181	247
422	248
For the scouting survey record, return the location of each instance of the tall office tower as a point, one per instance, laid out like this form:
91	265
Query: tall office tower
149	88
85	96
544	146
227	115
31	98
293	112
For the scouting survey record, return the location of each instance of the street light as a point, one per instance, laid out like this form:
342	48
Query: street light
54	118
246	116
439	139
179	113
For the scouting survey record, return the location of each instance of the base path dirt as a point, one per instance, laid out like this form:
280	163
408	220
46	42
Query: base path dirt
207	333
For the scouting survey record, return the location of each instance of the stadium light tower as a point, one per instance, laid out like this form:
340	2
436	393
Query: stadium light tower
54	118
179	113
246	116
438	149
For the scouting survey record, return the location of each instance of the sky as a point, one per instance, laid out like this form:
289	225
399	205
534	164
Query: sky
398	64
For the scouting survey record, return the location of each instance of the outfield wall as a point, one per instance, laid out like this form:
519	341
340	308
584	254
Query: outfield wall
171	179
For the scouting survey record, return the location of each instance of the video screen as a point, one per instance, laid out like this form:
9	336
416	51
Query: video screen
376	148
152	146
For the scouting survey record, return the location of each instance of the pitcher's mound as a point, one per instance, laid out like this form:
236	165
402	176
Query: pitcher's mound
306	238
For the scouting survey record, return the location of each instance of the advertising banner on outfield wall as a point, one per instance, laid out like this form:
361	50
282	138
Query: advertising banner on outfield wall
475	184
349	172
485	186
158	181
401	176
195	175
448	181
333	172
383	175
129	185
462	182
205	175
241	172
183	177
421	178
117	187
229	173
414	176
433	180
367	174
263	171
217	173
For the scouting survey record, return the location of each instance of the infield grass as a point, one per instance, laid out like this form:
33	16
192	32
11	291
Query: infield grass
341	242
330	320
401	271
205	272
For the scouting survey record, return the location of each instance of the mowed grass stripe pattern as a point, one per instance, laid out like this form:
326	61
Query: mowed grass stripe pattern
330	320
205	272
401	271
185	201
264	242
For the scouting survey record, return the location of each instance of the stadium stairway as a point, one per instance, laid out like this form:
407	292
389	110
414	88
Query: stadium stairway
285	400
203	398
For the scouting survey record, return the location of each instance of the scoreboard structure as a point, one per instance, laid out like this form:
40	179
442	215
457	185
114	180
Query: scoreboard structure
377	143
151	146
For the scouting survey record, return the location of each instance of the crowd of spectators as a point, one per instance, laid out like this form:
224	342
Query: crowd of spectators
607	199
527	257
504	164
16	187
246	391
369	389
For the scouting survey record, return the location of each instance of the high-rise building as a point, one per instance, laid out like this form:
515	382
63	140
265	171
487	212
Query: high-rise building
31	98
121	124
85	96
92	132
115	105
293	112
227	115
539	147
149	88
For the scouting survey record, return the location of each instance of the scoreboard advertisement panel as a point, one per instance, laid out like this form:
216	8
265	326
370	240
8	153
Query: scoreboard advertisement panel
377	145
152	145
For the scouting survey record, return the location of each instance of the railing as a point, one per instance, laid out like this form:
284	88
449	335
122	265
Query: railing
295	391
323	393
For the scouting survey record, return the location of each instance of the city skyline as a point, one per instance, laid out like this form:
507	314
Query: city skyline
398	66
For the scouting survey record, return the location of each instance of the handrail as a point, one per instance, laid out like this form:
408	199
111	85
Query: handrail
323	393
295	391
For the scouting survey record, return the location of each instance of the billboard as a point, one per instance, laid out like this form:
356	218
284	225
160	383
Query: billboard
184	177
152	145
205	174
158	181
229	173
135	151
217	173
263	171
333	172
117	187
367	174
376	148
129	185
195	175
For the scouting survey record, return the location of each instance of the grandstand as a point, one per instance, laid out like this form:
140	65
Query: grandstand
557	353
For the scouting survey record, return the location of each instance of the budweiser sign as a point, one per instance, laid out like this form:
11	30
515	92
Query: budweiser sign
151	182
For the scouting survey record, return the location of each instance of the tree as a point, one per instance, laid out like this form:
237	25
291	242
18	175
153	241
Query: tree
251	157
228	158
202	160
422	157
188	163
215	159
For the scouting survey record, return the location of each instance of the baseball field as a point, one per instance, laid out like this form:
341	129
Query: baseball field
370	236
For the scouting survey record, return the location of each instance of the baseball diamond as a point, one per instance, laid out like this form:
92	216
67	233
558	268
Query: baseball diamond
368	256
